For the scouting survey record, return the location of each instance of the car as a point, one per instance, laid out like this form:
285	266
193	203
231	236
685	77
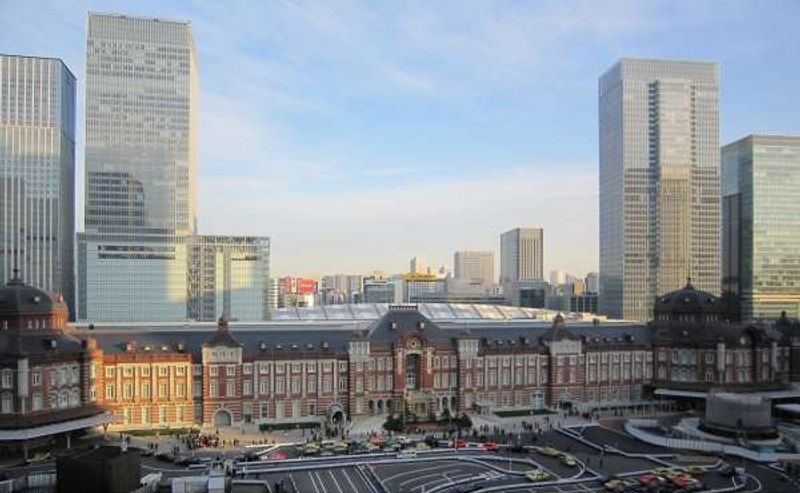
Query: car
726	470
407	454
695	470
614	485
186	460
165	457
567	460
422	446
39	458
651	479
311	449
667	472
402	439
459	443
444	444
548	451
537	475
491	446
517	448
683	480
326	453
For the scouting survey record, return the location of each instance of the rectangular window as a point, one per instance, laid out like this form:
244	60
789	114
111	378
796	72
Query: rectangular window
295	367
145	371
230	389
212	370
263	368
295	385
127	391
179	414
145	415
279	385
109	391
265	410
213	390
37	378
247	368
180	371
162	414
163	371
109	372
38	402
180	390
230	370
279	368
247	387
127	372
311	385
93	393
263	387
162	391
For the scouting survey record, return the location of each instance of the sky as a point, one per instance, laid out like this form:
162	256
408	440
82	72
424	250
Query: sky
360	134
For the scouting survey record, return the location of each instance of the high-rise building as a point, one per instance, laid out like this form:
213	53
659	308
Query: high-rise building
37	172
592	282
141	125
474	265
417	266
521	255
272	295
761	225
659	182
228	275
558	277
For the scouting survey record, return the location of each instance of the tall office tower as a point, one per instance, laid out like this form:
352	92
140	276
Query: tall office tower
272	295
521	255
141	122
659	182
141	125
474	265
417	266
228	275
761	225
592	282
37	172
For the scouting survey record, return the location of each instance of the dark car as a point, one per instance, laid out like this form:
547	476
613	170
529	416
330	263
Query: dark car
165	457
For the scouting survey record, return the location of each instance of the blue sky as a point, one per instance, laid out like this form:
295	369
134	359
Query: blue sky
360	134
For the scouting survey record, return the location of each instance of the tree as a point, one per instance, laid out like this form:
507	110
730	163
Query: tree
394	424
464	421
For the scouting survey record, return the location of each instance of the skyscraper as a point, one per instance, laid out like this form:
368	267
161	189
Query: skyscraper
761	225
141	125
37	172
659	182
521	254
417	265
141	121
474	265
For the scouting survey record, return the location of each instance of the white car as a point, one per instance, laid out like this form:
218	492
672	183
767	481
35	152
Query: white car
407	454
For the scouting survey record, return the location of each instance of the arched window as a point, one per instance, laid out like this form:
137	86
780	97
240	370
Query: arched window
74	398
413	367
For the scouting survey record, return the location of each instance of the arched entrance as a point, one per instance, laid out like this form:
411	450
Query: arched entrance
222	418
336	414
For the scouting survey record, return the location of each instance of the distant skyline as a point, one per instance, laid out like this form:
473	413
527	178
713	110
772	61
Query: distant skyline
358	135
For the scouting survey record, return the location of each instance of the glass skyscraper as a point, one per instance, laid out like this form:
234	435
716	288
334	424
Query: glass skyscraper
761	225
141	122
659	182
37	172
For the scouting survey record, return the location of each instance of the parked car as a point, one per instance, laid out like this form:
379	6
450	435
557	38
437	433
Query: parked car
537	475
407	454
165	457
39	458
548	451
651	479
491	446
567	460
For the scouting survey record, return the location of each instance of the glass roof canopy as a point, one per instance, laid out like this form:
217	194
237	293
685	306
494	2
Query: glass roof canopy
434	311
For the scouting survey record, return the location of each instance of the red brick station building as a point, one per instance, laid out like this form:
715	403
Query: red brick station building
57	379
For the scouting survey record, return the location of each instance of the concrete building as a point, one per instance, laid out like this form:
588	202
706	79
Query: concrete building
37	172
380	290
521	254
127	279
474	265
659	182
272	294
761	225
228	274
417	266
592	282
